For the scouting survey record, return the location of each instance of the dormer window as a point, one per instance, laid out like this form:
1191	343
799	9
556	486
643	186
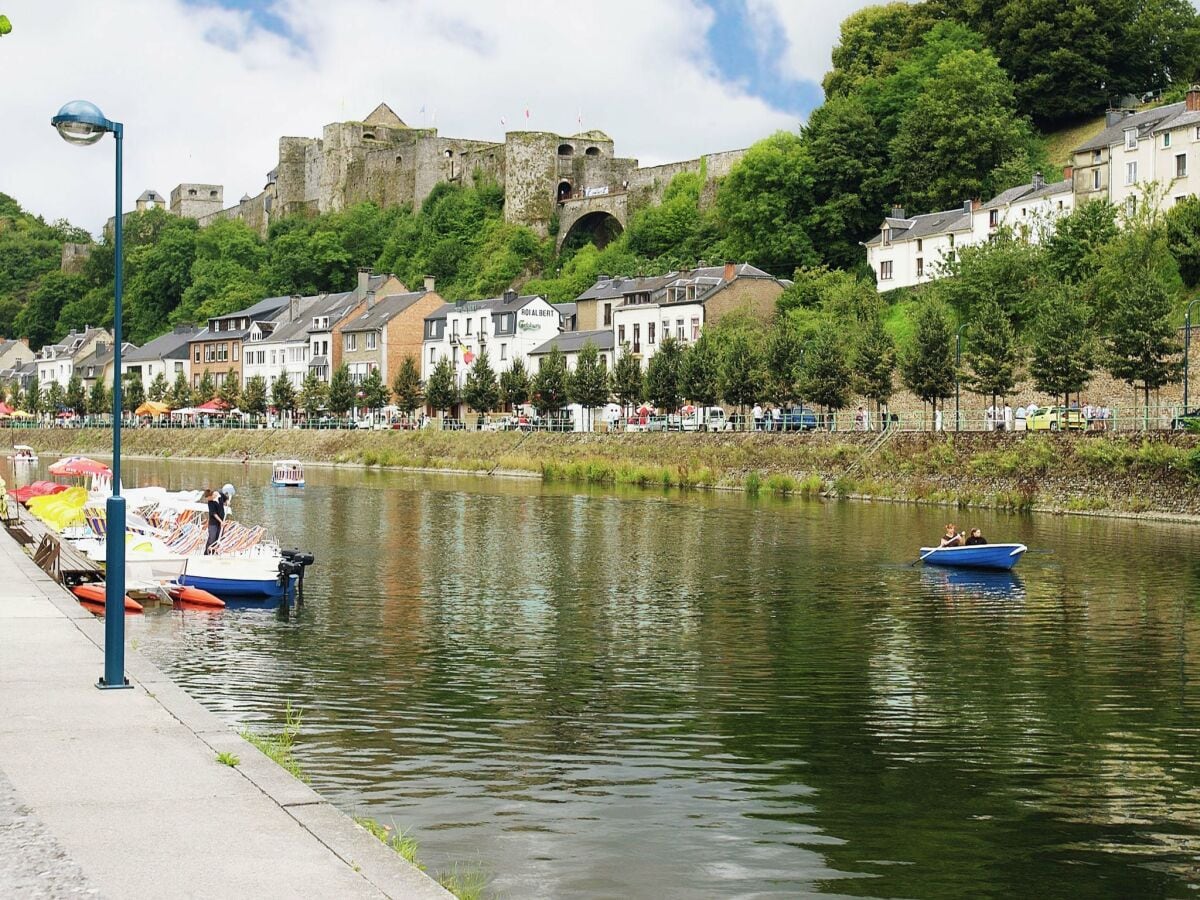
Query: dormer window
1131	138
887	234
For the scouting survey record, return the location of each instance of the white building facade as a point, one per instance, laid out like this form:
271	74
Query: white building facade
508	327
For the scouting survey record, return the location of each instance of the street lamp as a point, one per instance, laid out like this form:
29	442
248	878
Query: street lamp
1187	347
80	122
958	373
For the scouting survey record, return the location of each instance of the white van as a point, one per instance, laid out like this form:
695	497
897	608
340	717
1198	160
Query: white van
707	418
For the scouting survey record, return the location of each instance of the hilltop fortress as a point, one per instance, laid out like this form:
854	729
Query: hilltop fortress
576	180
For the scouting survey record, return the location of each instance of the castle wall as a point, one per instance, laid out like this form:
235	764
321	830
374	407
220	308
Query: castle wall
197	200
530	178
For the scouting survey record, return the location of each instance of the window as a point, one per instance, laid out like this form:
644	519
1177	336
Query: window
695	328
679	332
1197	137
1180	165
885	270
468	326
1024	212
432	355
454	329
650	333
1166	139
482	325
920	245
920	266
371	340
637	337
1096	180
1131	172
887	234
993	218
621	335
607	314
1131	138
236	351
1097	155
196	355
951	239
1130	205
503	352
352	342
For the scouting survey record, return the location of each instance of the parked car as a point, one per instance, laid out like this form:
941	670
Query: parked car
1056	418
1188	420
799	418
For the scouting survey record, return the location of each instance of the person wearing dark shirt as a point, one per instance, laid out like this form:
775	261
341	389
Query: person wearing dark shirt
976	538
216	517
951	537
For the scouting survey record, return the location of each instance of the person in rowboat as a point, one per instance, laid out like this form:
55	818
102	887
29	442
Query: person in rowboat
951	537
975	538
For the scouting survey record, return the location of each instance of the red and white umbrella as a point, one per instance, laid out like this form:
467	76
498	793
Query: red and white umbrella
78	466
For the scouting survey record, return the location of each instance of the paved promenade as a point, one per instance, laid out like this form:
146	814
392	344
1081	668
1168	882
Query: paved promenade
118	794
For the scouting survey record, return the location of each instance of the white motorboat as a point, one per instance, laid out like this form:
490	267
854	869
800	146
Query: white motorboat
23	453
287	473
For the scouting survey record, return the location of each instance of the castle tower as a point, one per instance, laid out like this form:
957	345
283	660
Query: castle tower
194	201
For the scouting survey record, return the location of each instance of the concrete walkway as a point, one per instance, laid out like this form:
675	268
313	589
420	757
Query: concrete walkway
118	793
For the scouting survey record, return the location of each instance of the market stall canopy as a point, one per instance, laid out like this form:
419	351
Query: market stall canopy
21	414
152	408
216	404
5	409
78	466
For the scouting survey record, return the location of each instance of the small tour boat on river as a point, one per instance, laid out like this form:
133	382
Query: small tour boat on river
287	473
23	453
976	556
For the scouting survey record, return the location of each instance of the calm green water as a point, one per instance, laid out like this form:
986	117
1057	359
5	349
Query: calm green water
607	694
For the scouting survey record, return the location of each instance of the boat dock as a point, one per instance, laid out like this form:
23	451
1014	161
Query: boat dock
120	793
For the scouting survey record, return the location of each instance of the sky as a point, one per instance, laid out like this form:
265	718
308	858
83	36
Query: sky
205	88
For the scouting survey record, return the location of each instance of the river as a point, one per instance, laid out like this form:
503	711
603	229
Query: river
600	693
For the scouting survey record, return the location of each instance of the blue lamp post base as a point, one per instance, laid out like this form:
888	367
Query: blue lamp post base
114	596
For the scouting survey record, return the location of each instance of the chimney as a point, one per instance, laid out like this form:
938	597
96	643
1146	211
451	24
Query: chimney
1068	173
1039	181
897	212
730	271
370	300
364	274
293	307
510	296
429	282
1113	116
1193	98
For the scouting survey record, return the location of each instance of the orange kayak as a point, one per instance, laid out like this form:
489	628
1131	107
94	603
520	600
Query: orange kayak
195	596
94	594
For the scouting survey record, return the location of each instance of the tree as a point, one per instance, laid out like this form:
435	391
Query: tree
283	394
927	366
374	390
742	374
75	399
991	352
406	386
1141	343
589	385
180	395
515	385
133	394
159	387
98	401
1063	345
441	393
764	202
700	372
33	396
230	392
958	129
54	398
628	381
480	391
550	383
664	384
874	363
1183	237
313	394
824	372
254	397
341	391
784	356
205	390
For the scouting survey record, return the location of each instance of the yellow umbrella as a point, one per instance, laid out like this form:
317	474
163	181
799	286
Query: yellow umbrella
152	408
21	414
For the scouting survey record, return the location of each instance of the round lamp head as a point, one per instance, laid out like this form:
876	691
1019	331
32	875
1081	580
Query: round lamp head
81	122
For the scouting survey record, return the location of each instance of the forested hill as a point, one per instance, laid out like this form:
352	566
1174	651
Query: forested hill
927	104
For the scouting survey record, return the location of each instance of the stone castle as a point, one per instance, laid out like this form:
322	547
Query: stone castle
577	181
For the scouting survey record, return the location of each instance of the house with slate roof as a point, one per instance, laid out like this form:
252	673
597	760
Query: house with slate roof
98	365
508	327
166	355
385	332
217	349
56	362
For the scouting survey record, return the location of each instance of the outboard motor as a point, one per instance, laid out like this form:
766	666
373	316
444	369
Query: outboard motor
294	562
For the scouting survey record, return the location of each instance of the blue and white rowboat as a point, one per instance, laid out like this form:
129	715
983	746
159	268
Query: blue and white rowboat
979	556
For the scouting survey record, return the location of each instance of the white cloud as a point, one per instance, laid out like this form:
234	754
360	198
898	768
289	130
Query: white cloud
811	28
205	95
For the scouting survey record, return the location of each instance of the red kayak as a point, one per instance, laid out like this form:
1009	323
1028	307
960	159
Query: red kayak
194	596
93	595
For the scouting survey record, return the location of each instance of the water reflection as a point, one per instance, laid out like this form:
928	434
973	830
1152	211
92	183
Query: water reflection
645	694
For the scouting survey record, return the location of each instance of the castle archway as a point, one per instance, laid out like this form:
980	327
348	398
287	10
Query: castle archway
599	228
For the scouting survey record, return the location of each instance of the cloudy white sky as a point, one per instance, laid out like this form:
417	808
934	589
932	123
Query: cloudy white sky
206	87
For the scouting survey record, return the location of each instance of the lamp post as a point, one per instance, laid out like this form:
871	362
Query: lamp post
958	373
80	122
1187	347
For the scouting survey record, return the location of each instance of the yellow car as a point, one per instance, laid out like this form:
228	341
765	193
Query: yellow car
1056	418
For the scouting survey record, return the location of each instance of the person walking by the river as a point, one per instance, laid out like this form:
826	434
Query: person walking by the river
757	413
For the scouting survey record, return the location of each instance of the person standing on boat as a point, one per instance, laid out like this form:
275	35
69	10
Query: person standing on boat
217	502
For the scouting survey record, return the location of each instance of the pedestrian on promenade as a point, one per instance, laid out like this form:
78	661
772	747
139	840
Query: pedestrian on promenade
860	421
776	418
1019	419
757	413
1008	417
